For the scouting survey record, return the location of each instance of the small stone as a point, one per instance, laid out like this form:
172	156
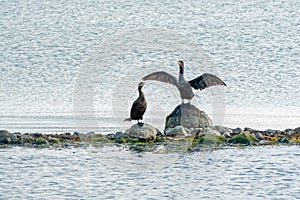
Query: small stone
197	132
111	136
27	138
224	131
259	136
227	135
264	142
251	130
211	131
236	131
297	130
66	136
37	135
178	131
270	132
289	132
90	134
119	135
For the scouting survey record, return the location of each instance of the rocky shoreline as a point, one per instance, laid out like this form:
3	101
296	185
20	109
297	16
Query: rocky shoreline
142	139
187	128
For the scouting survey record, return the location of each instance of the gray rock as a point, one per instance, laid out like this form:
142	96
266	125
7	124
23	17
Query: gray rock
111	136
211	131
27	138
264	142
250	130
297	130
143	132
224	131
188	116
259	136
7	137
197	132
270	132
66	136
289	132
226	135
90	134
178	131
37	135
119	135
236	131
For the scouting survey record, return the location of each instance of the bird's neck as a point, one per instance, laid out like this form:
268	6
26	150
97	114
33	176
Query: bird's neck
141	94
180	70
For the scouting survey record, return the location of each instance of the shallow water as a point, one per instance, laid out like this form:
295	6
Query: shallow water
115	173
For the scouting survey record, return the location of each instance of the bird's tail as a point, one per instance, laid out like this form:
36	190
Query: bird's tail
127	119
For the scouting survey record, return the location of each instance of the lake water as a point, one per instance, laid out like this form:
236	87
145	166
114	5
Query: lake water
69	66
114	173
75	66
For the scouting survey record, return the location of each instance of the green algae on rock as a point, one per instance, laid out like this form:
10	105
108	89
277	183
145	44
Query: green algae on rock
212	140
243	138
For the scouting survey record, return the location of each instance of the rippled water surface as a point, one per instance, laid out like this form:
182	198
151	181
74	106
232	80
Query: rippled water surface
56	56
74	66
114	173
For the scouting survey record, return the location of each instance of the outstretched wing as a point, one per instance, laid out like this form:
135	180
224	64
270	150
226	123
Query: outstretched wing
206	80
161	76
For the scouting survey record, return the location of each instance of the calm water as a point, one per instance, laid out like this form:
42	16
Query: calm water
56	54
112	173
75	65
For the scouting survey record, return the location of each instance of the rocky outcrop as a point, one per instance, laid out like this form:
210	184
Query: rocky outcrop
188	116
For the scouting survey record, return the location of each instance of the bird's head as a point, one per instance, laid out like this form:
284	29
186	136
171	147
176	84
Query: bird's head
180	63
181	66
141	84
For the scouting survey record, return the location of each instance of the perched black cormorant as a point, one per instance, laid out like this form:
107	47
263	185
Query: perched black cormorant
139	106
185	87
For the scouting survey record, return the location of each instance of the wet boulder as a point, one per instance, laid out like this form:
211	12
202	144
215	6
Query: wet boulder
142	132
188	116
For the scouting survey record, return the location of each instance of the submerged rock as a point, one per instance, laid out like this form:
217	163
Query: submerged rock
7	137
142	132
188	116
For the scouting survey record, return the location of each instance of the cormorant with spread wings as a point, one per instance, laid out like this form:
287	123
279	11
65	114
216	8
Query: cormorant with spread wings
185	87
